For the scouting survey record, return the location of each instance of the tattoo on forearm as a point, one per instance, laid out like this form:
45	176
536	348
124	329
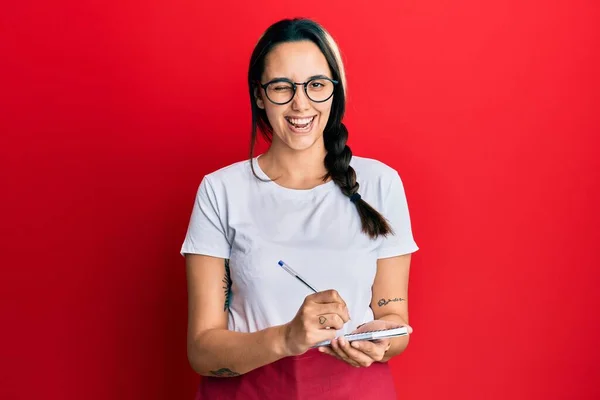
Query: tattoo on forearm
322	320
384	302
224	373
227	287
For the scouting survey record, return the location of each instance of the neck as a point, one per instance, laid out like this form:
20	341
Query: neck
293	168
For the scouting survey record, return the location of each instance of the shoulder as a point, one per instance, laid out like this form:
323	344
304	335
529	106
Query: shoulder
378	181
219	184
372	170
231	174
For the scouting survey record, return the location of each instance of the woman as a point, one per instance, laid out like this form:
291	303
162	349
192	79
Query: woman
341	222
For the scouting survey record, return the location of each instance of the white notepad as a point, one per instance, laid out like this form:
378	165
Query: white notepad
370	335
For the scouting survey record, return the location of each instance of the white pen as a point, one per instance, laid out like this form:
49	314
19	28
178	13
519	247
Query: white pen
295	274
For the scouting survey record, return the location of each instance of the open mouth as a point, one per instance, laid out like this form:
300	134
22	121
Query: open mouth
300	125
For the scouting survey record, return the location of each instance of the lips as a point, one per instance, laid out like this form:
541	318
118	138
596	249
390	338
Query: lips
302	125
300	122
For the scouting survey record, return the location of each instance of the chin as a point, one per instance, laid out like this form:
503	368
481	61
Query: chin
301	143
301	140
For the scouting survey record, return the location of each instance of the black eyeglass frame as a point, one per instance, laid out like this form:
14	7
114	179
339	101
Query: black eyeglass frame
295	84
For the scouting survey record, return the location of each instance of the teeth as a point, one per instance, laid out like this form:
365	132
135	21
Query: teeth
300	121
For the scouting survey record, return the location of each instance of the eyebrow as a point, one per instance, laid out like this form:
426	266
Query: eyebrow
308	79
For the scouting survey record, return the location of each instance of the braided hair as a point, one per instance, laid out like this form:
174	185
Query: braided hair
337	162
335	135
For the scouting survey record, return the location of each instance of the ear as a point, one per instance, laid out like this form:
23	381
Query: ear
258	97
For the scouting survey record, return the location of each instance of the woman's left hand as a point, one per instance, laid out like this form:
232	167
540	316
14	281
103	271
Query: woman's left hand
362	353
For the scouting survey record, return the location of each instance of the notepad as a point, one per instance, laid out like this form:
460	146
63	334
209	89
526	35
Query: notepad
370	335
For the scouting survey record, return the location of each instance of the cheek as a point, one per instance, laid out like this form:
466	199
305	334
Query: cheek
324	111
274	116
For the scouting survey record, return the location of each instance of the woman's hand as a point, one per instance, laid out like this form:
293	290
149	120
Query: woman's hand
362	353
320	315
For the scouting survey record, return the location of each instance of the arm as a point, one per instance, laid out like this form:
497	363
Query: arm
212	349
389	301
390	310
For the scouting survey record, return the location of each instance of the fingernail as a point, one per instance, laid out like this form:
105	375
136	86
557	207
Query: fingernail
321	349
355	345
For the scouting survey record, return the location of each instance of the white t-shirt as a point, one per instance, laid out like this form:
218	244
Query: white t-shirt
317	232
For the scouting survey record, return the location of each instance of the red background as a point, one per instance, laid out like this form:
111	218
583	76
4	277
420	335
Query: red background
111	113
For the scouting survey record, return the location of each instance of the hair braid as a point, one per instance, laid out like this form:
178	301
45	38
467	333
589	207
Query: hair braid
337	162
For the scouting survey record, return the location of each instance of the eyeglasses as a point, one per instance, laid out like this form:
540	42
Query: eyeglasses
281	90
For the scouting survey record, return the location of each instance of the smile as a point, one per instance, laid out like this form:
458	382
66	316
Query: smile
300	125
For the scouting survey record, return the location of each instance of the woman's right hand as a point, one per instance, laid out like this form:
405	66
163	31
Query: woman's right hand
318	319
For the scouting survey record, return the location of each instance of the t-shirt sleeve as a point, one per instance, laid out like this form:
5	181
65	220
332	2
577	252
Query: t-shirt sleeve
395	210
206	233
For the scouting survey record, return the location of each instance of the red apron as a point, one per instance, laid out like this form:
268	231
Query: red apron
313	376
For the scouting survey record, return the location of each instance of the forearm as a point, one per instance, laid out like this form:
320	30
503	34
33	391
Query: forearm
224	353
398	344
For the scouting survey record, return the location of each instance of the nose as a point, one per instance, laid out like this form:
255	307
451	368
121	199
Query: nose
300	100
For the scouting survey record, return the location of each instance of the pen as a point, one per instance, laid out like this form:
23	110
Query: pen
295	274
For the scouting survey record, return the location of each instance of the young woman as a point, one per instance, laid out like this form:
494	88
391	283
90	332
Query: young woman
341	222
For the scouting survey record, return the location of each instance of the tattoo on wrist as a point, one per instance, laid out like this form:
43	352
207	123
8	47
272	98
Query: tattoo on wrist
384	302
322	320
227	286
224	373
